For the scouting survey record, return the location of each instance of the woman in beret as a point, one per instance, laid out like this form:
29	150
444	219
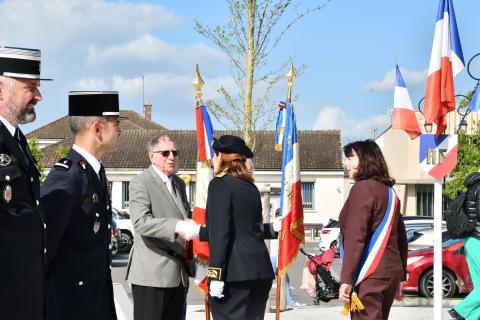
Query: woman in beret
240	273
371	274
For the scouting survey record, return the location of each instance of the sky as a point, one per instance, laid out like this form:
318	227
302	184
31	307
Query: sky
147	50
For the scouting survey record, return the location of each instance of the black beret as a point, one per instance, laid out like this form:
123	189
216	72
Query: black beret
232	144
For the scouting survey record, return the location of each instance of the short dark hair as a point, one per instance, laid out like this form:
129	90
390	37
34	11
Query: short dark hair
372	164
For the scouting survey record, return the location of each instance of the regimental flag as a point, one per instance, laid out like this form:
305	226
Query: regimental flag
292	234
445	63
204	175
403	114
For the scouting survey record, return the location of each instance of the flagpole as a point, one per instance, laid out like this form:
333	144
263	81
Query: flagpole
290	76
198	84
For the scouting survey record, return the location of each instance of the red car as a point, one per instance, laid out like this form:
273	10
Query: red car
456	277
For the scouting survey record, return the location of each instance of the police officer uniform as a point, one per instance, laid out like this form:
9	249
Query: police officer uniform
22	227
238	254
77	208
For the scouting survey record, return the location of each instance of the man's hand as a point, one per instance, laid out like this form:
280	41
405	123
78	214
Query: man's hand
187	229
216	288
344	292
277	224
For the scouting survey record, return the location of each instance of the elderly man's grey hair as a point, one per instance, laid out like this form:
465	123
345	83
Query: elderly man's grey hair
79	124
158	140
8	82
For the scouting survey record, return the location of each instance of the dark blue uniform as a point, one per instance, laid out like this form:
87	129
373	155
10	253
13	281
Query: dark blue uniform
78	215
21	233
238	254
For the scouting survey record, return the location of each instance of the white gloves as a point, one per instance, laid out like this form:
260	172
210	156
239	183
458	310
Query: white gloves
277	224
216	288
187	229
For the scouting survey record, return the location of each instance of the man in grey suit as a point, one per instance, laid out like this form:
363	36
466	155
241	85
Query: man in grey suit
158	210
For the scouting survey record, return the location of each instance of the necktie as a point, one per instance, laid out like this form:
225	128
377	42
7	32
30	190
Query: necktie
23	146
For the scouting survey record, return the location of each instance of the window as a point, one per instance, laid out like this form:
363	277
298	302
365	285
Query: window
424	199
307	194
125	194
191	193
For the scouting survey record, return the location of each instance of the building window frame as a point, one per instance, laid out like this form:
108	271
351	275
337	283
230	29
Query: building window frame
308	195
125	194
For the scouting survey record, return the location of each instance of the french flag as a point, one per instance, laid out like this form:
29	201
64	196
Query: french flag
446	62
292	234
403	114
204	174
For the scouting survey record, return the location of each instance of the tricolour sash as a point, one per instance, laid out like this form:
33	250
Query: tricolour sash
374	251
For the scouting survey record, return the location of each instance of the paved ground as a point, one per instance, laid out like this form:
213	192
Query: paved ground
414	308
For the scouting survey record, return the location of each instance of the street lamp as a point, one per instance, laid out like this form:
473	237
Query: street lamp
460	110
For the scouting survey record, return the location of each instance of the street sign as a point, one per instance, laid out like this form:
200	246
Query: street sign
438	156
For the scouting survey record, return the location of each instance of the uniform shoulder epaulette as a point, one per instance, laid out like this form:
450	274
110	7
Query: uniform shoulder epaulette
221	174
63	163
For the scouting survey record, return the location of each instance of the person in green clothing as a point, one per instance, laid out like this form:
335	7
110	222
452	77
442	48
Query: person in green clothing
469	308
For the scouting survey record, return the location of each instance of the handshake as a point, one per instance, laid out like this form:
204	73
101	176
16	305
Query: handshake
187	229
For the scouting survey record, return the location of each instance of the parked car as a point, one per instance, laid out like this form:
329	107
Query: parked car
455	275
116	237
124	224
419	222
330	236
423	238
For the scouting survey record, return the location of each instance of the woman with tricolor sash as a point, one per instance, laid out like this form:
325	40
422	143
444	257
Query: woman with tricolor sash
374	244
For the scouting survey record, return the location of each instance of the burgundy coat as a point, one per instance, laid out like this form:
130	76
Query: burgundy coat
361	214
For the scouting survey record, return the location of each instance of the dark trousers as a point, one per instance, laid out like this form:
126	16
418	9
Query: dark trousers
150	303
377	296
243	300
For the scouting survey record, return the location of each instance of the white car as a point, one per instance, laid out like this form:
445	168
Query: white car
124	224
423	238
330	236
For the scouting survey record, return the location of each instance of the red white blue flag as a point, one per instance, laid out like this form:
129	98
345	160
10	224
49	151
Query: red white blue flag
445	63
204	175
373	253
292	234
404	117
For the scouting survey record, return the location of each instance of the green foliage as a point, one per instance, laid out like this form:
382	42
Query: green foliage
62	151
37	154
258	36
468	158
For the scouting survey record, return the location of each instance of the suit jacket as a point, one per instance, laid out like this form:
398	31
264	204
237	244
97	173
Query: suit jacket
78	215
22	234
154	213
236	231
361	215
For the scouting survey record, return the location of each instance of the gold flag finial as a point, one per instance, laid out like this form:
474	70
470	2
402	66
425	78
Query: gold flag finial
290	76
198	84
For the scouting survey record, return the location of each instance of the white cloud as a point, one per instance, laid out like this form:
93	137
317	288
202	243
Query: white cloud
331	118
57	24
148	52
412	79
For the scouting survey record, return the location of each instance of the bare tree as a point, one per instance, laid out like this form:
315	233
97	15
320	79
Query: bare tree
253	31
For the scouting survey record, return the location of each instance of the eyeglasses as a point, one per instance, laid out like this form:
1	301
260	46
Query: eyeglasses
166	153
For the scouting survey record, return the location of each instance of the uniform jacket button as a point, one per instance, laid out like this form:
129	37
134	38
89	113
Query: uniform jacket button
109	226
38	202
80	283
7	178
31	179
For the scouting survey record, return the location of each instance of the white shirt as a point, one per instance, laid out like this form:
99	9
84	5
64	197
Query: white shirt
7	124
90	159
165	179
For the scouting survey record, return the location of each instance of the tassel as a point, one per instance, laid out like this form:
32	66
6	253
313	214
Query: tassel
354	305
346	309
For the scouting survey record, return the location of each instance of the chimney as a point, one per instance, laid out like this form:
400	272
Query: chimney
147	110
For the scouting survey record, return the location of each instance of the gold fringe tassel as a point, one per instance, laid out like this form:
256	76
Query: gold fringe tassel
354	305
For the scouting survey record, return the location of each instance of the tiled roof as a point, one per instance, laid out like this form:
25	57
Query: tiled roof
319	150
59	128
